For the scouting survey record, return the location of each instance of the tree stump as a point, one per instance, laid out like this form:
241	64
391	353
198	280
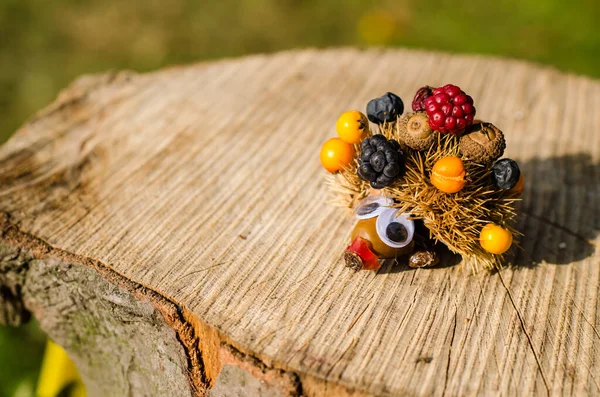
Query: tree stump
171	231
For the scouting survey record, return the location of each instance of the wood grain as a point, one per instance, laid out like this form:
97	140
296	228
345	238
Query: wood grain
203	184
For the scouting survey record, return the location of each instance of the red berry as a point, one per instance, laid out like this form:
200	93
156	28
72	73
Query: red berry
452	90
460	99
441	98
468	108
419	102
449	109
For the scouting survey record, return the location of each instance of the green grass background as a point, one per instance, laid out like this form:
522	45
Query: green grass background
45	44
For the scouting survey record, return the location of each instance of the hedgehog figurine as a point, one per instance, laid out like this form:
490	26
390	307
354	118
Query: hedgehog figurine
434	175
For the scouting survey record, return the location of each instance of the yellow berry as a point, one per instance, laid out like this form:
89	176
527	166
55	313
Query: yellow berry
351	126
495	239
448	174
336	154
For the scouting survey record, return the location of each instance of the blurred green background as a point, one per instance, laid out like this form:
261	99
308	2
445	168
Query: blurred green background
46	44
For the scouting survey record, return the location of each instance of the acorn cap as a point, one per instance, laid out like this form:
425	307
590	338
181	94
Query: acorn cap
483	143
413	130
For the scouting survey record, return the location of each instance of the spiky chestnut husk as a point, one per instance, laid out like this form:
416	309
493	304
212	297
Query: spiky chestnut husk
414	131
418	103
455	220
482	143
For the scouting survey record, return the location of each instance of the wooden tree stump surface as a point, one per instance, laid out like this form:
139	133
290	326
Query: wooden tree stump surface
198	192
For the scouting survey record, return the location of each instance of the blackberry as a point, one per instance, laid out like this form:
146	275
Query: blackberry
380	161
506	173
384	109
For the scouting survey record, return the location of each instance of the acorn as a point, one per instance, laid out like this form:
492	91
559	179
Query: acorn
413	130
482	143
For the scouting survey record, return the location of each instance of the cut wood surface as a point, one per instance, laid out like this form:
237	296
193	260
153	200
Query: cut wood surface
199	189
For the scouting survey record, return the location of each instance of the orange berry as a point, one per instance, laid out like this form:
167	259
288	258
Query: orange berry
518	188
351	126
448	174
336	154
495	239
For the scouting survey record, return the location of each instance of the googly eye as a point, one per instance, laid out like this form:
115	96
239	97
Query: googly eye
395	229
372	206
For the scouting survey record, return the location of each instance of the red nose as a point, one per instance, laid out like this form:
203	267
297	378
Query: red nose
359	255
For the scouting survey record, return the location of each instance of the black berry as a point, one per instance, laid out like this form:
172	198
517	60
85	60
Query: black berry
391	170
366	154
381	161
384	180
378	161
506	173
365	143
384	146
366	172
386	108
376	140
391	156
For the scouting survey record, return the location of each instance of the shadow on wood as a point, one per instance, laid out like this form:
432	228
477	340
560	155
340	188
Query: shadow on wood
560	229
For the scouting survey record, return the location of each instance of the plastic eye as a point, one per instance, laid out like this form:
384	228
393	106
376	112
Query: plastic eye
372	206
395	229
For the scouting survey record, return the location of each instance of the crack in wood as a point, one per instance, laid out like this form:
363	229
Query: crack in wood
524	328
450	353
